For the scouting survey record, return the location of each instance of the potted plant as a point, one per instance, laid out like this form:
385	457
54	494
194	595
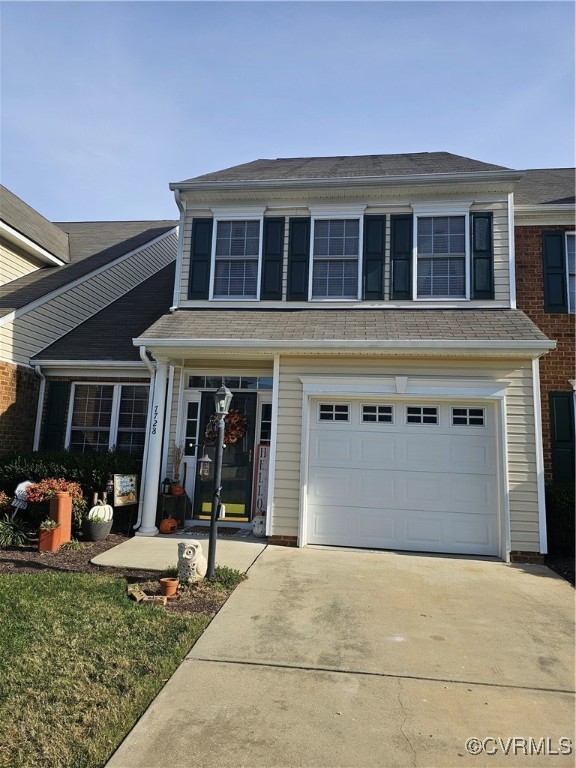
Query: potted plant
98	523
49	536
168	586
177	456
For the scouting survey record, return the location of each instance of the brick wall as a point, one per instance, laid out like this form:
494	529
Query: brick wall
18	401
557	367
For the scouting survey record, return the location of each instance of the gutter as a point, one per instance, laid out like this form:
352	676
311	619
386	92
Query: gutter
425	179
152	370
39	408
179	253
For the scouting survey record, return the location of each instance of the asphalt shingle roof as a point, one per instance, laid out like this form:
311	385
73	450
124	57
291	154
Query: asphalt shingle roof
93	244
108	334
20	216
346	325
348	167
546	186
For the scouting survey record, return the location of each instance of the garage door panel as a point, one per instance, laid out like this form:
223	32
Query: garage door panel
402	486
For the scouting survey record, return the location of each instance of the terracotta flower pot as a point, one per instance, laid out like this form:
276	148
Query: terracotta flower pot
49	539
168	586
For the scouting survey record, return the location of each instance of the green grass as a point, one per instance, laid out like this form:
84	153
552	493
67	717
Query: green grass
79	663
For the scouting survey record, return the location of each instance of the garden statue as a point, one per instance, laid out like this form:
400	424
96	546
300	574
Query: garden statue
192	564
259	526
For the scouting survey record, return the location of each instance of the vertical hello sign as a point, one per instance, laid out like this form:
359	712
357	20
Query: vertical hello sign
261	484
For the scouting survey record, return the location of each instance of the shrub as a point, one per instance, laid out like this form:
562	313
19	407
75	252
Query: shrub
560	518
13	531
227	578
40	493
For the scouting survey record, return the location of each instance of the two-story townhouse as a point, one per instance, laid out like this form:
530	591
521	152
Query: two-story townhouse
56	276
545	234
385	388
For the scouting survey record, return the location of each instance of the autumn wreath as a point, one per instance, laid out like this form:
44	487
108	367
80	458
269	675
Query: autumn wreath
234	428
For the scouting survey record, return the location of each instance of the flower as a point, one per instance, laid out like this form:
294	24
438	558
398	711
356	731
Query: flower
49	487
235	424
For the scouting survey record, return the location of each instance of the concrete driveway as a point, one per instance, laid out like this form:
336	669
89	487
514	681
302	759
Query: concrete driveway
337	658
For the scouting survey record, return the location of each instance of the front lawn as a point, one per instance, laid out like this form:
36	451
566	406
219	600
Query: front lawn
79	664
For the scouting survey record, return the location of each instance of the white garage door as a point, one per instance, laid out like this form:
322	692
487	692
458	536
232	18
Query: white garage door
418	476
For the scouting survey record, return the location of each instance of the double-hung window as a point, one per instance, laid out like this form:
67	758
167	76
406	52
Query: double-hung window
104	416
237	258
571	269
442	255
335	259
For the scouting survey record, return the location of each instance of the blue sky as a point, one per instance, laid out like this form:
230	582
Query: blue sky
104	103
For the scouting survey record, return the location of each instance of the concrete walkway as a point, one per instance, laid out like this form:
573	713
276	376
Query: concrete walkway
156	553
335	658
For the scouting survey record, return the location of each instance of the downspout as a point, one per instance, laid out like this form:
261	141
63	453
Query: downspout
148	364
40	407
178	275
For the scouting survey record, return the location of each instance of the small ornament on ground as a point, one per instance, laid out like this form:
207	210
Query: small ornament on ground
259	526
192	564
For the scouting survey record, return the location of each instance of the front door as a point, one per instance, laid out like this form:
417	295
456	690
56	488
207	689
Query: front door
237	461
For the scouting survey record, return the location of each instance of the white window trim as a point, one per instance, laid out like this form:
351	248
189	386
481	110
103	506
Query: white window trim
325	212
392	421
116	393
571	310
468	425
347	420
424	210
250	213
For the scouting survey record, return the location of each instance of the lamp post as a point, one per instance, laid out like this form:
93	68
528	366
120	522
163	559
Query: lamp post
222	399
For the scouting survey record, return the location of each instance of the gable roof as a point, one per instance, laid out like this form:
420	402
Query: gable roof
28	222
107	335
353	166
546	186
92	245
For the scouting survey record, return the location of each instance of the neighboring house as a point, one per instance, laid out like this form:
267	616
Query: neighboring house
362	310
545	233
55	277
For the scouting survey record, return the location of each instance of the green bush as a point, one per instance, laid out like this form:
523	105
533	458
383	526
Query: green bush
560	518
90	470
227	578
13	531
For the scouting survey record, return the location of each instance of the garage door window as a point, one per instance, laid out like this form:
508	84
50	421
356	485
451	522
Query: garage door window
421	414
377	414
333	412
468	417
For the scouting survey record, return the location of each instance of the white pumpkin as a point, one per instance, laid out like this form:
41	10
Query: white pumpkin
102	511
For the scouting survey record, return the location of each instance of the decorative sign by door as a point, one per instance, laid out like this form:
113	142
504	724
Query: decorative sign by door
125	490
261	480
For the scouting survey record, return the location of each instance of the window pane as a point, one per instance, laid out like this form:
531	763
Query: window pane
236	278
441	235
132	442
133	407
84	440
237	239
441	277
92	405
335	278
191	429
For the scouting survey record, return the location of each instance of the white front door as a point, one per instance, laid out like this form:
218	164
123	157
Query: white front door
418	476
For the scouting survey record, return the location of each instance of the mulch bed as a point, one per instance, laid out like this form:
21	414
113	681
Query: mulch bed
563	566
200	598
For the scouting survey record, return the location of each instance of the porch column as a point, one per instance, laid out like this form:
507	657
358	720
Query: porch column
151	485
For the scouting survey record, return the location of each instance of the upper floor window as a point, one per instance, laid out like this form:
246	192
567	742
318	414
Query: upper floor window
441	257
571	269
335	258
236	259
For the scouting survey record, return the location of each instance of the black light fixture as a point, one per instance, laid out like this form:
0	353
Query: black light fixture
222	400
166	483
204	466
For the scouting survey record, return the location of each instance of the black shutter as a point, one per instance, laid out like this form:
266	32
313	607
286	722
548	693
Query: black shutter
562	436
374	252
482	256
272	258
298	258
401	256
200	255
55	418
554	266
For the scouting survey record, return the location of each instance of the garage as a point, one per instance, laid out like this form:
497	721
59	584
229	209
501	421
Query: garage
403	474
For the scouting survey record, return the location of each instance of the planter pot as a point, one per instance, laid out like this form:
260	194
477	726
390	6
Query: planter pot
49	539
168	586
97	531
61	512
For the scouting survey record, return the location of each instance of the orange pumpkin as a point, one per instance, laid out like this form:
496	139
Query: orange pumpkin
168	525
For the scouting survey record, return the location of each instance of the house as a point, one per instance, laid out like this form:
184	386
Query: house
545	235
362	310
55	279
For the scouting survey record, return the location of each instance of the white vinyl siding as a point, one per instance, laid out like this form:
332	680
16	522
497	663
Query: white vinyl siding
14	265
522	470
36	329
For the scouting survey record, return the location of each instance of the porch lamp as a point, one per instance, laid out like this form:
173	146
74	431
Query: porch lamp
222	400
204	467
